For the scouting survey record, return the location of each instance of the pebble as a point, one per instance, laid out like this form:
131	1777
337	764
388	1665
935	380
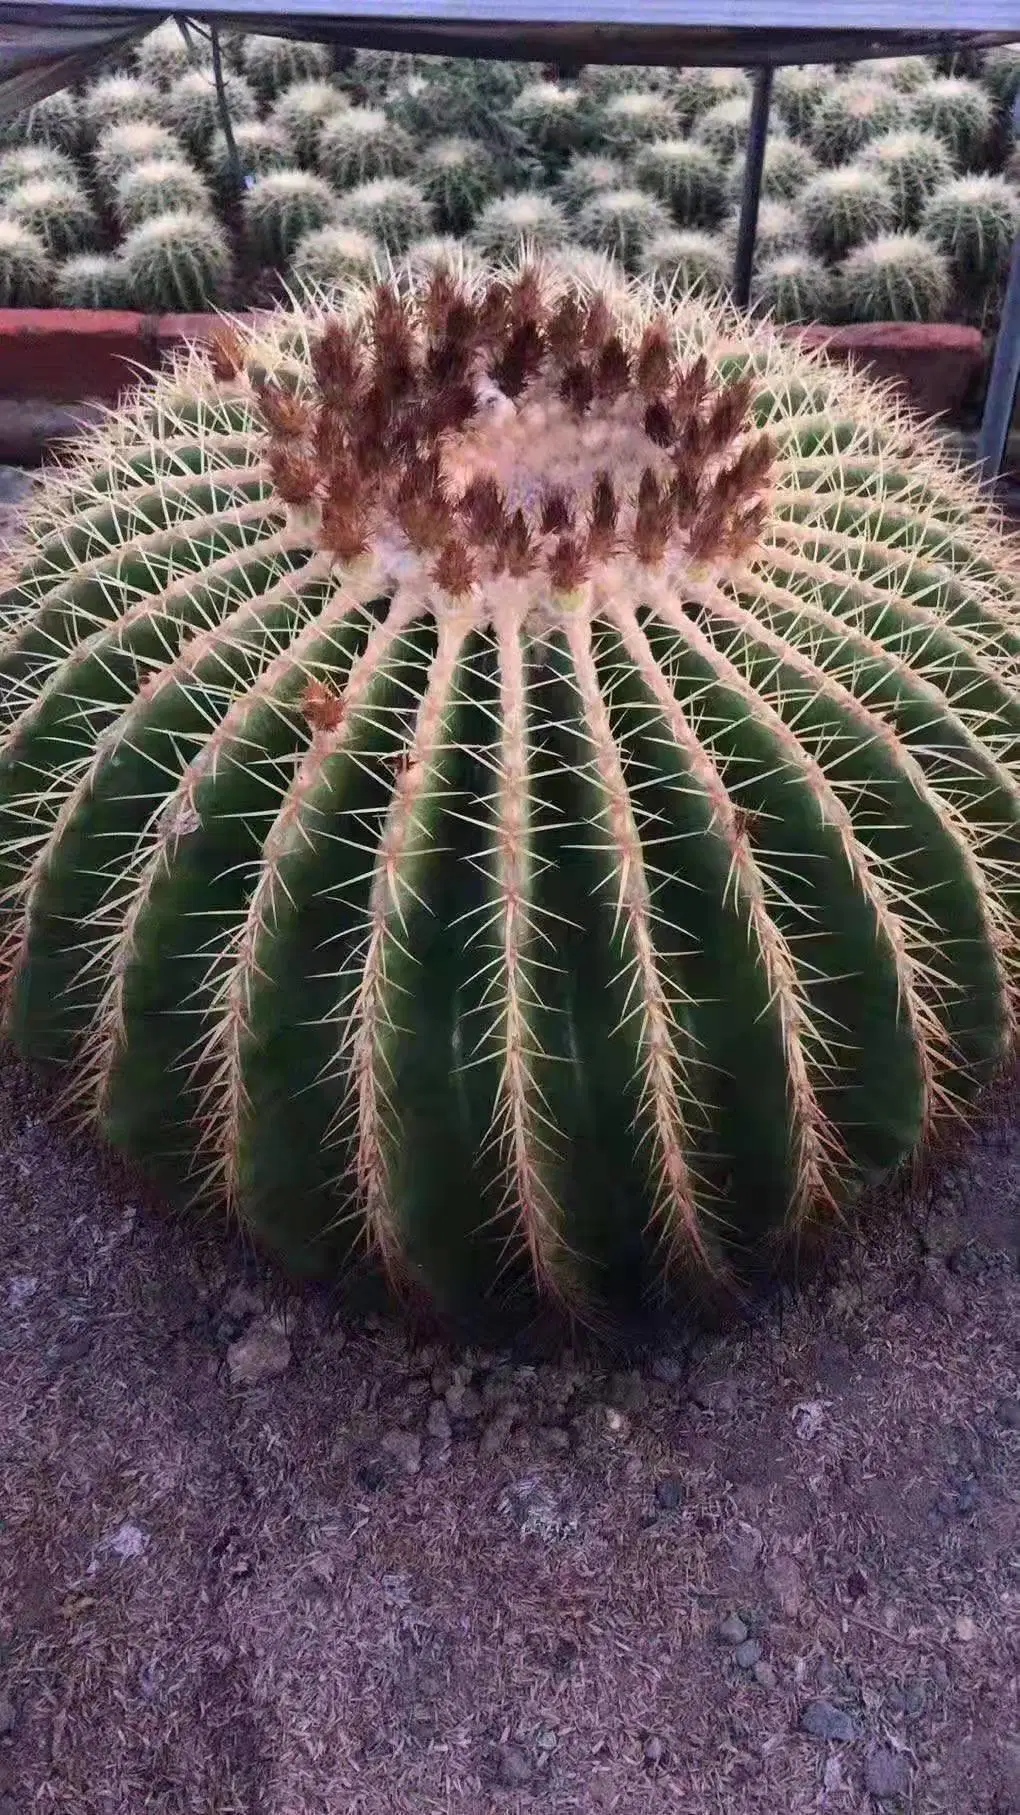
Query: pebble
764	1675
438	1422
886	1774
965	1629
785	1583
262	1352
669	1370
514	1768
8	1713
654	1750
669	1493
241	1302
715	1395
463	1402
748	1654
823	1721
732	1630
405	1449
1007	1411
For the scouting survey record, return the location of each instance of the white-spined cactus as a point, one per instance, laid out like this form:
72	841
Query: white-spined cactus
632	120
687	176
622	222
527	787
273	64
164	55
457	177
59	213
525	218
794	287
724	128
56	121
1001	75
842	208
851	114
302	110
779	230
974	220
26	269
281	208
913	165
787	168
587	176
177	262
162	186
798	92
556	121
31	164
391	210
958	112
261	147
358	144
192	108
335	256
116	100
898	277
90	280
125	147
685	260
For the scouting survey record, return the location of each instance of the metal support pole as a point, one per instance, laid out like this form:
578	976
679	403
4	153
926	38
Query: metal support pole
748	228
1003	379
234	162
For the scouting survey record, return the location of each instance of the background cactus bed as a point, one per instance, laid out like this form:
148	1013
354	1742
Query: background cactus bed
489	150
515	777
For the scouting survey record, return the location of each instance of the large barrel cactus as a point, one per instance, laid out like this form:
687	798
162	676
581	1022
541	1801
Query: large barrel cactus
517	777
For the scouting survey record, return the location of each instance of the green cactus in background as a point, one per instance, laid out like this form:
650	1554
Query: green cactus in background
907	74
632	120
463	98
697	89
162	186
280	208
974	220
116	101
913	165
687	176
779	230
787	169
360	143
586	176
526	218
91	280
59	213
55	121
261	148
273	64
300	113
555	121
851	114
31	164
841	208
26	271
332	256
176	262
686	260
797	93
622	222
724	128
900	277
439	252
794	287
375	72
125	147
1001	75
604	81
568	860
958	112
390	210
164	55
192	109
457	177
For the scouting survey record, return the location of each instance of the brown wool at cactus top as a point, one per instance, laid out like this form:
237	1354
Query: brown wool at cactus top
447	424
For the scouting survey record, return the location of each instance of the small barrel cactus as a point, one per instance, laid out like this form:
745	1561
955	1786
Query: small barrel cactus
958	112
162	186
26	270
462	97
301	112
696	89
517	781
787	169
32	164
59	213
457	177
724	128
261	147
390	210
117	100
375	72
1001	75
905	73
622	221
192	109
603	81
91	280
164	55
974	220
526	218
794	287
176	262
632	120
686	260
281	208
851	114
899	277
273	64
687	176
555	120
586	176
357	144
56	121
913	165
124	147
779	230
332	256
797	94
842	208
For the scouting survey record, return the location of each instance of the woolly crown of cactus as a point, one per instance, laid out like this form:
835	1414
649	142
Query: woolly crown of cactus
686	259
334	255
357	144
272	64
852	113
390	209
90	280
135	142
161	186
457	177
794	287
957	111
164	55
525	218
555	120
31	163
585	176
115	100
630	120
515	779
686	175
301	111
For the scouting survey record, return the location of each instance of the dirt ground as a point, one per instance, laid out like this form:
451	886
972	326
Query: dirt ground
388	1577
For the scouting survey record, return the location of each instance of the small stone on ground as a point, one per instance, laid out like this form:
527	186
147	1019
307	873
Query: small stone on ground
262	1352
822	1721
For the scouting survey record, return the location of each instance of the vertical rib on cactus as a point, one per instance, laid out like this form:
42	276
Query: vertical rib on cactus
503	773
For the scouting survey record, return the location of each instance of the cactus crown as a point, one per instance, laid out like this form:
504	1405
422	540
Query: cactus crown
333	255
160	186
90	280
896	277
913	164
59	212
794	287
842	207
686	175
527	217
688	260
390	209
117	99
25	268
957	111
33	163
974	220
357	144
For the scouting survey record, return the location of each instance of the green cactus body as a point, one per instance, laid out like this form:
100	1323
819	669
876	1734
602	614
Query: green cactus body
279	209
192	108
162	186
526	218
974	221
958	112
787	169
779	230
59	213
92	280
841	208
301	112
568	859
375	72
125	147
687	176
116	101
604	81
797	93
55	121
621	222
333	256
850	115
587	176
273	64
164	56
898	277
261	147
31	164
469	99
696	90
913	164
457	177
724	128
556	122
907	74
176	261
360	143
632	120
794	287
686	260
391	210
1001	75
26	271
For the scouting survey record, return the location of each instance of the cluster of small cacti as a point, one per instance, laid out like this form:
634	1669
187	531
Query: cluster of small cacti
611	158
517	780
